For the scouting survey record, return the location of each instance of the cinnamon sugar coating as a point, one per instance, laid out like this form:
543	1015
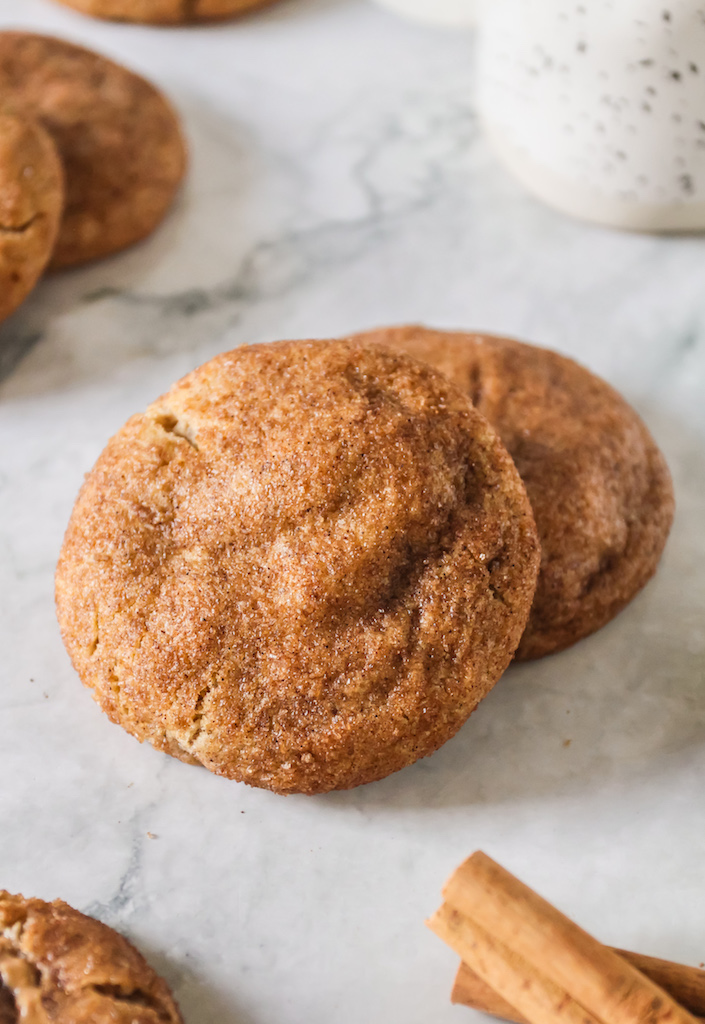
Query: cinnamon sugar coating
303	567
599	487
31	204
58	966
118	138
166	12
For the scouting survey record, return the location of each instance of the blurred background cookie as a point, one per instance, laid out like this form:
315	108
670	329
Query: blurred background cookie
303	567
118	138
58	966
166	12
31	203
598	485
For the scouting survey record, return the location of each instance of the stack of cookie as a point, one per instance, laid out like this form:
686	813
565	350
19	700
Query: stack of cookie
91	157
306	564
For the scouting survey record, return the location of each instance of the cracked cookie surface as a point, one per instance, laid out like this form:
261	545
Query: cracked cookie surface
166	12
118	138
58	966
599	487
31	203
303	567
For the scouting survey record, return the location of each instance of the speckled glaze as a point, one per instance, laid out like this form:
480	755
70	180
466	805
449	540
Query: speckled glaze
599	107
436	12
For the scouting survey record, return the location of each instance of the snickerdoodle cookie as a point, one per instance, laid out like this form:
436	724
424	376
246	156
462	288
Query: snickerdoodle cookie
118	138
31	202
166	12
302	567
598	485
58	966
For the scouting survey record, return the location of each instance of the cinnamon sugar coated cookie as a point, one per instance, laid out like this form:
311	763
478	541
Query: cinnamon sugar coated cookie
598	485
302	567
31	202
166	12
58	966
118	138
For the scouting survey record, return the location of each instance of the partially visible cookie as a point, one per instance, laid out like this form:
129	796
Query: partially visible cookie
58	966
599	487
166	12
118	138
303	567
31	203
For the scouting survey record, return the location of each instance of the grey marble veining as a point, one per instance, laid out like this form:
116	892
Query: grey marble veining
339	181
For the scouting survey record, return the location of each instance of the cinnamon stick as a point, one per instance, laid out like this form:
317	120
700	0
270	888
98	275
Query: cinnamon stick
685	984
470	990
545	950
537	998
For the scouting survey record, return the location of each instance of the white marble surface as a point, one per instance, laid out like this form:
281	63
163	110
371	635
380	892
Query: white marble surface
338	181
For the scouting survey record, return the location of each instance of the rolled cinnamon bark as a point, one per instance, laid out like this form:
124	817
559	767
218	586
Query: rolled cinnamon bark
685	984
518	944
538	999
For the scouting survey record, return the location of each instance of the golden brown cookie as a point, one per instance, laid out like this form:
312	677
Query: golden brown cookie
58	966
598	485
118	138
31	202
166	12
303	567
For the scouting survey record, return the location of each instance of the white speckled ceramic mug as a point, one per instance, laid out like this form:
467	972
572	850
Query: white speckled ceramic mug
436	12
598	106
